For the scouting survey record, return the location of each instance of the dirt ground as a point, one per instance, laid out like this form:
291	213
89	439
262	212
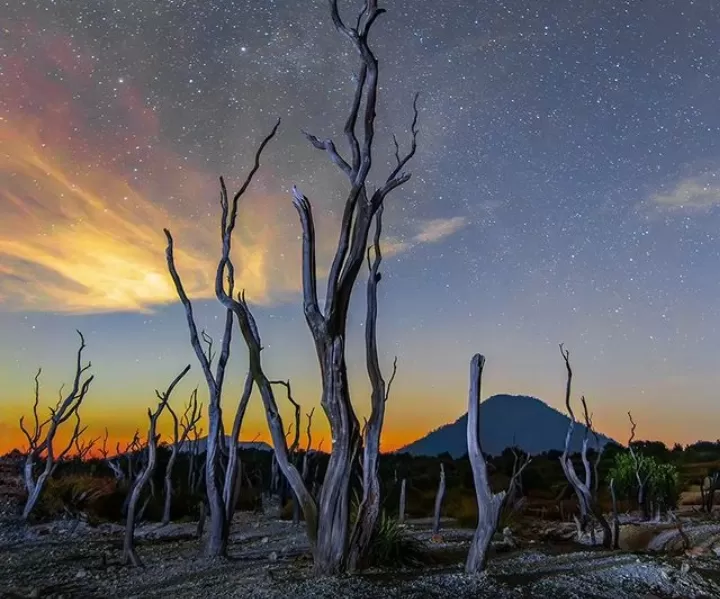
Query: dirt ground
268	558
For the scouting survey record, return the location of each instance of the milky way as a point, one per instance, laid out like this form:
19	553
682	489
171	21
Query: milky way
565	189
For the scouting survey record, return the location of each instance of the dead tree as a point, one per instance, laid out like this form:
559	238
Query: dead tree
41	440
129	554
188	421
369	508
515	490
583	488
640	477
219	524
615	518
489	503
329	533
83	448
233	474
403	501
439	496
328	326
292	450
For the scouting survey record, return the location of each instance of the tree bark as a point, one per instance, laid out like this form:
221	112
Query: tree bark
489	503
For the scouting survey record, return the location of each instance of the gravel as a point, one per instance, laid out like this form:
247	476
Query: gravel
268	558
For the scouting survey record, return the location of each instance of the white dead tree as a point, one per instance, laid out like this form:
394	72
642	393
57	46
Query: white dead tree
292	449
369	508
328	521
233	473
583	487
219	525
489	504
403	501
181	430
439	496
641	477
41	440
130	556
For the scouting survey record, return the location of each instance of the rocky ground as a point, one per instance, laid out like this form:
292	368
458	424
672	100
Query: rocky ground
268	558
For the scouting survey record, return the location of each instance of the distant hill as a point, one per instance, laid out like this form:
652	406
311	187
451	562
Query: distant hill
202	445
535	427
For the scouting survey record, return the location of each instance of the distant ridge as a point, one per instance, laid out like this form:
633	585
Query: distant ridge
202	445
506	420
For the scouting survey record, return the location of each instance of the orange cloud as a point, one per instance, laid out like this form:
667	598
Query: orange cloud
84	198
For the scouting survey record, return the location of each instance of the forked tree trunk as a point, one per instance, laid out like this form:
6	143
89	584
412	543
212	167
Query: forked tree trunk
439	499
66	408
489	503
130	556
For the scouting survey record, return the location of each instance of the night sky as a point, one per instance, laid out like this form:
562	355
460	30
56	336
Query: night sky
566	188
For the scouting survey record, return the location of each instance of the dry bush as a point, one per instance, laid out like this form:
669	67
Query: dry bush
80	496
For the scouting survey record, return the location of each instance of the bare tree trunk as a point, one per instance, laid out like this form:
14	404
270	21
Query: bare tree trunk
401	507
232	475
202	517
129	554
489	503
369	508
439	499
190	418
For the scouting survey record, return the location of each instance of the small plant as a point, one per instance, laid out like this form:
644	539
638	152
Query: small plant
392	547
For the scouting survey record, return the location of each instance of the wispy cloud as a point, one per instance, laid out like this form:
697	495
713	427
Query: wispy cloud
429	231
698	193
83	207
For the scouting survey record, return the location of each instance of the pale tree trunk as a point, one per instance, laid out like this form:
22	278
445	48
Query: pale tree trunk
231	488
67	407
489	503
583	488
401	509
369	508
616	521
130	556
439	499
641	480
189	421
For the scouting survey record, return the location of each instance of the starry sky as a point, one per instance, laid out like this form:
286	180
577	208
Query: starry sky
566	188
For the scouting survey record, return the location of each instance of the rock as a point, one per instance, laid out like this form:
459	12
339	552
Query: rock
273	557
34	594
81	574
265	540
684	569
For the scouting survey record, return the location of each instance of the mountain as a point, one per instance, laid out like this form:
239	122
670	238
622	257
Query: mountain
202	445
506	420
